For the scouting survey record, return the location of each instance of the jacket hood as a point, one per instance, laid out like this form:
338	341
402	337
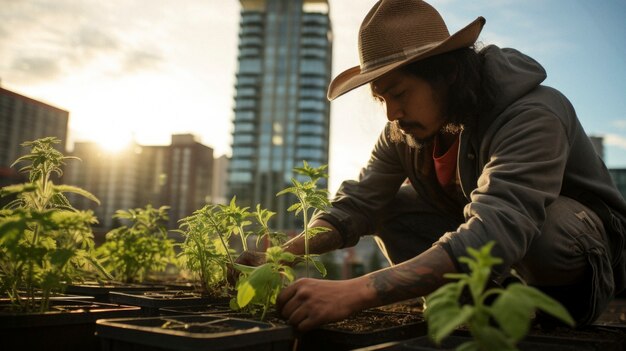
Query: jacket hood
510	75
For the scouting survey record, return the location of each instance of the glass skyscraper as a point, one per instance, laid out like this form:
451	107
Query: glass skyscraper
281	111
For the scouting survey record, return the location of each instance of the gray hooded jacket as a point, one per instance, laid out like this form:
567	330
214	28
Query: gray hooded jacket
514	162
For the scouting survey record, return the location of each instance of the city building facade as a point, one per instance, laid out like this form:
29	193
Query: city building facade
281	114
179	175
25	119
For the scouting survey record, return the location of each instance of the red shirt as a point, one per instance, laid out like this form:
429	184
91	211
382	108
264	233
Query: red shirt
445	165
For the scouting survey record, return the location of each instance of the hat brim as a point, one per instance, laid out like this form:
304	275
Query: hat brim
353	78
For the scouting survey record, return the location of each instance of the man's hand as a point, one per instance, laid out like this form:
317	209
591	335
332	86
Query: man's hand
251	258
309	303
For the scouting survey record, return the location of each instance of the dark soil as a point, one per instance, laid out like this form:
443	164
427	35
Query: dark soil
171	294
368	321
215	326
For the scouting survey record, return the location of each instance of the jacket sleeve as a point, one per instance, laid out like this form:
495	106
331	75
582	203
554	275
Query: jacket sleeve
524	163
358	204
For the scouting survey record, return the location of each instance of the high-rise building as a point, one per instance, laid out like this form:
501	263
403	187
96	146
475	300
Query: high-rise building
190	176
111	176
281	112
26	119
220	180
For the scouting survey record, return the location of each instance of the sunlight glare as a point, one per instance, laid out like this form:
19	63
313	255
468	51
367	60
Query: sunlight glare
114	142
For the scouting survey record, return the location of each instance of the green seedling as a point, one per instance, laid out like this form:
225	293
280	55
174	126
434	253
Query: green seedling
133	251
205	251
310	199
258	287
236	219
497	326
44	241
263	217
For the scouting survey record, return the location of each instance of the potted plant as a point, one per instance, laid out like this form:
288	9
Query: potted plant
45	243
206	252
132	252
512	307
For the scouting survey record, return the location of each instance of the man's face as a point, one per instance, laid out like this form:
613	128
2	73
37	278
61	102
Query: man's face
412	105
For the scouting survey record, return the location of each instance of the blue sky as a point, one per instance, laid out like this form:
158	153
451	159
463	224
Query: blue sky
145	69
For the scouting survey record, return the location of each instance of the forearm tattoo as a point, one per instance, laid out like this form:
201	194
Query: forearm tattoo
318	244
416	277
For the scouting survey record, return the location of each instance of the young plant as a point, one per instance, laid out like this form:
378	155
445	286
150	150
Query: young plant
258	287
310	199
511	310
44	241
133	251
263	217
205	251
236	219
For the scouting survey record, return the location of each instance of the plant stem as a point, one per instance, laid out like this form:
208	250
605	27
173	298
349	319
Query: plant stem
306	235
243	239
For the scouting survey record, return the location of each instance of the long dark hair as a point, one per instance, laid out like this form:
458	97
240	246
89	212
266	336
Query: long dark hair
456	76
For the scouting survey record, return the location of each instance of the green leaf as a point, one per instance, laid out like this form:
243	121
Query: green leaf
490	338
320	267
245	294
537	299
513	312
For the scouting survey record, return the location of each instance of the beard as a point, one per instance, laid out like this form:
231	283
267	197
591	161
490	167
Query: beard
397	136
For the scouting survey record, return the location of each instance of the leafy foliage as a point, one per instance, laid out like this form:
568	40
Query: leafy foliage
44	241
511	310
236	219
205	251
263	217
310	199
259	287
132	251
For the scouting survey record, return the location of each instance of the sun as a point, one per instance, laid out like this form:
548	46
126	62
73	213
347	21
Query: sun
114	142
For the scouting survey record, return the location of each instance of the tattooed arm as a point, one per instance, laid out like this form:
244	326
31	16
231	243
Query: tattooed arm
308	303
416	277
318	244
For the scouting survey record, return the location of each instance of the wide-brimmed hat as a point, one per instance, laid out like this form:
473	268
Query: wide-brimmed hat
395	33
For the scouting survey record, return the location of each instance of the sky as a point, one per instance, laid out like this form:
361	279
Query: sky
146	69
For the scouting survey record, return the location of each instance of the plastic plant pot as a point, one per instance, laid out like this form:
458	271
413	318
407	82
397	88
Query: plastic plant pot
192	333
364	329
68	325
151	301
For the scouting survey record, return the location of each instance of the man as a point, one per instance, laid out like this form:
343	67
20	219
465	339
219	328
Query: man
489	154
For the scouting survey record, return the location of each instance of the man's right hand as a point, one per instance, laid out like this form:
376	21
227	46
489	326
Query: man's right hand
251	258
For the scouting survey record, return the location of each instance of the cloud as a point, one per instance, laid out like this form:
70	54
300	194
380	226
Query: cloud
36	68
140	60
615	140
620	124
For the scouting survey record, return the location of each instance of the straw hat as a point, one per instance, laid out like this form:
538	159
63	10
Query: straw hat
395	33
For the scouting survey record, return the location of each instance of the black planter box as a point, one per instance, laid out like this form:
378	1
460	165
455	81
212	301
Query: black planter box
217	308
68	326
100	291
151	301
217	334
393	326
55	296
593	339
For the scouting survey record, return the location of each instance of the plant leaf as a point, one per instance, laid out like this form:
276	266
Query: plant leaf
245	294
